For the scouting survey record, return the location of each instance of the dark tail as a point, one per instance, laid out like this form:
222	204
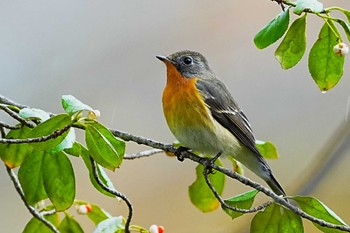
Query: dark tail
275	186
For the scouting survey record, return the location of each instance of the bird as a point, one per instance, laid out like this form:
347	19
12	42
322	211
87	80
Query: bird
204	117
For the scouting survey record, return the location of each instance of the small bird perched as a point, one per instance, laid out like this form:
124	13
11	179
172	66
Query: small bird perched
204	117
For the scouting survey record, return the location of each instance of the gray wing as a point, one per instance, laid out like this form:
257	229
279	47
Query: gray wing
225	110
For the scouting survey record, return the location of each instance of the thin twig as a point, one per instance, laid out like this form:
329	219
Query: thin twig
31	209
55	134
7	126
142	154
115	193
225	205
15	116
4	100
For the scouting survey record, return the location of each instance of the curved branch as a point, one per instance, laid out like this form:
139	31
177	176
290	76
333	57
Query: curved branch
223	203
115	193
31	209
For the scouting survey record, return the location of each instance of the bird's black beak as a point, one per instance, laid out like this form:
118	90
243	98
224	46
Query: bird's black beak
163	58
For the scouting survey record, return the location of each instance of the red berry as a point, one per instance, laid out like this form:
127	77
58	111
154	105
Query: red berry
160	229
88	208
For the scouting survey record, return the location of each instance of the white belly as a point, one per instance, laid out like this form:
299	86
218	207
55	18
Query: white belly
210	142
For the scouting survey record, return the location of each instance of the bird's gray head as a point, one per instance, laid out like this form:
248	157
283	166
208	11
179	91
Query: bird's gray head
189	63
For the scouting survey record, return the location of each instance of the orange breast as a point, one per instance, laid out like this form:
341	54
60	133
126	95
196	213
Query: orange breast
182	104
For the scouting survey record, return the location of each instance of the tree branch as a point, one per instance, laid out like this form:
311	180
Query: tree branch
146	153
244	180
55	134
4	100
15	116
7	126
115	193
31	209
223	203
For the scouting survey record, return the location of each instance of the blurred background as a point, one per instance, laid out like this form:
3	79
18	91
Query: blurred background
103	53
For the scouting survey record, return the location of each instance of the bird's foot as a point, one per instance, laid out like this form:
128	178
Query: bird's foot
178	153
208	166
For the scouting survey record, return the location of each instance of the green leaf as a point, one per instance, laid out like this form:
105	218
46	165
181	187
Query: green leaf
200	194
34	113
347	14
346	27
102	175
69	225
267	149
14	154
30	178
97	214
237	166
276	219
242	201
48	127
106	150
292	47
291	222
72	105
34	225
317	209
67	142
59	181
110	225
326	68
308	5
74	150
274	30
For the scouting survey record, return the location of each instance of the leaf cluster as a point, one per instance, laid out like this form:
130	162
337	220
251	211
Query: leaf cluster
42	155
325	65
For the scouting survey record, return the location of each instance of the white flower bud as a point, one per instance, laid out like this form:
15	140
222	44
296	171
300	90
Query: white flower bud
153	229
156	229
341	49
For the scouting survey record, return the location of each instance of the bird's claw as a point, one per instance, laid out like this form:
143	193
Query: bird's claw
208	166
178	153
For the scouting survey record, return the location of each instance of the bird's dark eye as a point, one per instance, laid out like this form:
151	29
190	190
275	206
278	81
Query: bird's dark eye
187	60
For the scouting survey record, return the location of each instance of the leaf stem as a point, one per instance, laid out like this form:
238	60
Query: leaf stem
327	10
326	19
